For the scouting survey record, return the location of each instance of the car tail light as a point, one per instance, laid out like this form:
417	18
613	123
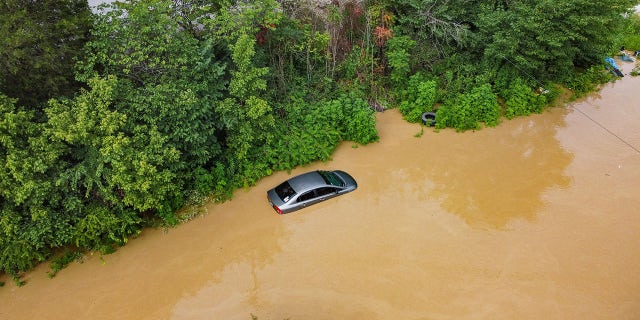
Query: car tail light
277	209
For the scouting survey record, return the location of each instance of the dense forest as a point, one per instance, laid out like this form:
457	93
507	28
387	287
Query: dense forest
113	120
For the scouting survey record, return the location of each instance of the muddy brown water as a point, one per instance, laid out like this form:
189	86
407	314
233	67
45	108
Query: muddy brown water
538	218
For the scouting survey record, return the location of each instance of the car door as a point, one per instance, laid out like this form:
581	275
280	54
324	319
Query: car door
325	193
306	199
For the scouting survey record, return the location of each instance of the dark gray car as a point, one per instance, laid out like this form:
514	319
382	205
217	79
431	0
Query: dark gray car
310	188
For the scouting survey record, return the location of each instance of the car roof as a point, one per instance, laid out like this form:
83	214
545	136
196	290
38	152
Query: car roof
306	181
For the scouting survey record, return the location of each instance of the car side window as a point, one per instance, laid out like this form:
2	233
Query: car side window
306	196
325	191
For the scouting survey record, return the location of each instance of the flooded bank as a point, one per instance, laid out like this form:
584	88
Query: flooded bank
537	218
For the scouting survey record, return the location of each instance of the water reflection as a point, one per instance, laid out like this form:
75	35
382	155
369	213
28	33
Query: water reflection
491	177
487	178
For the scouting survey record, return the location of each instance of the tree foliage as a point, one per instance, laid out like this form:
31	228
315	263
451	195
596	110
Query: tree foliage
39	41
399	58
546	39
629	37
469	110
419	96
169	80
522	101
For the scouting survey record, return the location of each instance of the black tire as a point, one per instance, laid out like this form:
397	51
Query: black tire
429	119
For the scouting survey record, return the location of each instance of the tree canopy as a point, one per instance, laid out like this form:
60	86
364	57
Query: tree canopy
39	42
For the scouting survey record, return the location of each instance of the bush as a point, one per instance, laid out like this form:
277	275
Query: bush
311	132
103	228
63	261
522	101
630	33
588	80
469	110
358	120
419	97
459	72
398	55
307	133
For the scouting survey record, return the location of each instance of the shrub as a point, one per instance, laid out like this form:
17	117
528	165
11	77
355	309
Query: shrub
311	132
308	133
522	101
459	72
588	80
102	228
358	120
398	55
63	261
629	36
467	111
420	97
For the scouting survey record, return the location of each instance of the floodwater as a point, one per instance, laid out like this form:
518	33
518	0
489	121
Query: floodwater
538	218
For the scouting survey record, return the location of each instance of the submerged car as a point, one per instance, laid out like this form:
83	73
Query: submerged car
310	188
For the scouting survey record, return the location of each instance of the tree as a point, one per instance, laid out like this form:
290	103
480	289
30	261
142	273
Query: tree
438	26
170	78
140	41
546	39
39	41
108	164
30	222
470	109
58	175
246	116
398	56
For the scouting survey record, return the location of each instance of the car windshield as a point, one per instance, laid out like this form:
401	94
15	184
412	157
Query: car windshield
285	191
331	178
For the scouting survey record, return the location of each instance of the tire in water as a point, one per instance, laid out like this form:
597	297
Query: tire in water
429	119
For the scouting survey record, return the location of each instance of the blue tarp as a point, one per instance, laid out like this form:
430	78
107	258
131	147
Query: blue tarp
626	57
611	62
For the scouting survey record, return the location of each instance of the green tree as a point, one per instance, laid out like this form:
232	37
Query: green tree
295	52
39	41
99	201
469	110
170	77
546	39
30	222
85	126
438	27
246	116
109	164
57	174
398	49
140	41
419	96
